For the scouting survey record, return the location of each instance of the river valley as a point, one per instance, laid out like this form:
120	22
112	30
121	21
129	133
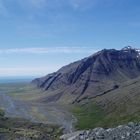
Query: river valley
35	111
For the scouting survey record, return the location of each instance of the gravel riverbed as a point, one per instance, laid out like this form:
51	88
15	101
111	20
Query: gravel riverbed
38	112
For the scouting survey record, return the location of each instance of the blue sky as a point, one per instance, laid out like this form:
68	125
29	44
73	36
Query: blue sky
39	36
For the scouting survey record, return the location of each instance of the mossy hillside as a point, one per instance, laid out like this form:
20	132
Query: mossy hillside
2	113
17	128
90	116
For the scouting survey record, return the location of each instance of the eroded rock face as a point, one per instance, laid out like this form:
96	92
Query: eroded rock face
93	75
131	131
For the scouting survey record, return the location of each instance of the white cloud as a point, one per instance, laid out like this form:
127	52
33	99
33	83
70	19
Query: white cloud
48	4
27	71
37	7
37	4
48	50
83	4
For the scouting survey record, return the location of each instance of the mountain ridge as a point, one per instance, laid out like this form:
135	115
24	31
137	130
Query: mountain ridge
99	73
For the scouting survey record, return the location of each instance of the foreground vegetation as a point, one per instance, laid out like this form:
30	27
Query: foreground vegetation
26	101
16	128
91	116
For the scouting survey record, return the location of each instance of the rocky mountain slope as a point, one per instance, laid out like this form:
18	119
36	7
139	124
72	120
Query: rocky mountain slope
98	74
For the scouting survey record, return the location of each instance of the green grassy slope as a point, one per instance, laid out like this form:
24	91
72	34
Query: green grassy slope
111	109
91	116
88	116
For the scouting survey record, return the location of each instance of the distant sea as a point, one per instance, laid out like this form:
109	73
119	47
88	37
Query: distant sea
16	79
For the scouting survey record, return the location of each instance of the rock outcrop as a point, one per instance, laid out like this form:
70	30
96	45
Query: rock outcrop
131	131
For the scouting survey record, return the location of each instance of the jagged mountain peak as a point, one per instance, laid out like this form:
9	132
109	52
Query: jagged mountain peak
128	48
131	50
124	51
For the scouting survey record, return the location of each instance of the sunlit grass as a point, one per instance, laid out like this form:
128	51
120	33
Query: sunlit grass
91	116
